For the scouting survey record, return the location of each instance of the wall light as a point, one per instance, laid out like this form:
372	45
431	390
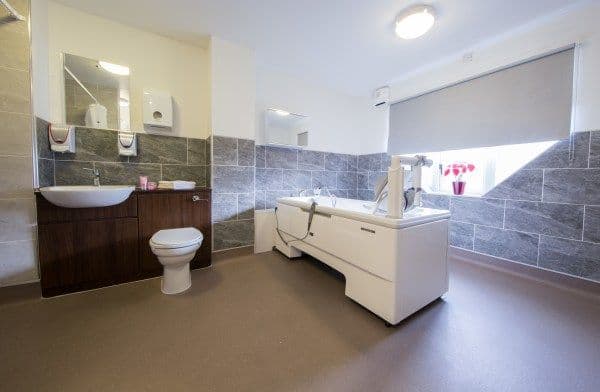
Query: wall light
415	21
282	112
114	68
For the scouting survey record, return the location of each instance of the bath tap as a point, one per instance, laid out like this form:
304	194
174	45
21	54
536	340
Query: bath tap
332	197
96	173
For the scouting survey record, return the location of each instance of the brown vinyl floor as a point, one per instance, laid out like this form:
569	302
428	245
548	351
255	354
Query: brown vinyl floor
262	323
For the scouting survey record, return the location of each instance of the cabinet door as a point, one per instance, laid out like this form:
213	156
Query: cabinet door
170	210
83	255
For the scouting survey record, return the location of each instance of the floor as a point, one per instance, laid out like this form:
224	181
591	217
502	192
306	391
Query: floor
262	323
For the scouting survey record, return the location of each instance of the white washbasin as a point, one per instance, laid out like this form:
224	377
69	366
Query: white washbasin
84	196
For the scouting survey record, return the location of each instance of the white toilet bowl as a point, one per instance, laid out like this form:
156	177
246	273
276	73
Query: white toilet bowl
175	248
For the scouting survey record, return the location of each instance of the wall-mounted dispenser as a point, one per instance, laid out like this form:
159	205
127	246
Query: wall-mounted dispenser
158	110
127	143
61	137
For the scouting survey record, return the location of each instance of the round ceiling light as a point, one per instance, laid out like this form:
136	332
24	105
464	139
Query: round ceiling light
415	21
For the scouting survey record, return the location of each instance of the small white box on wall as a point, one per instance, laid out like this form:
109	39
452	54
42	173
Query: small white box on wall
158	110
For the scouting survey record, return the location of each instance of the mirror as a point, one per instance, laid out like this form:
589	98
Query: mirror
96	93
285	128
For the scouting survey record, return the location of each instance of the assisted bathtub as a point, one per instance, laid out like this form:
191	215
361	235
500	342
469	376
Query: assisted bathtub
393	267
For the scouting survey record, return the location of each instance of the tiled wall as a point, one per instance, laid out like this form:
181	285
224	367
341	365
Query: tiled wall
285	172
159	157
233	192
547	214
77	101
18	247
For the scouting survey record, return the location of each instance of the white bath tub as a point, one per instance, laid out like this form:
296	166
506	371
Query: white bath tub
393	267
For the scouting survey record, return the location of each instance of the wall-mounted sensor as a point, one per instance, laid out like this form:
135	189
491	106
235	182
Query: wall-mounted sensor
61	137
158	110
127	143
381	96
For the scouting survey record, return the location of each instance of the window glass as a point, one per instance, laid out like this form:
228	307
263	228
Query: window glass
492	166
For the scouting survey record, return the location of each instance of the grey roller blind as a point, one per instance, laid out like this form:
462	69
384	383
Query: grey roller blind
529	102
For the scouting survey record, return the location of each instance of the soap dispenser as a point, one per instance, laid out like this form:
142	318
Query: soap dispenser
61	137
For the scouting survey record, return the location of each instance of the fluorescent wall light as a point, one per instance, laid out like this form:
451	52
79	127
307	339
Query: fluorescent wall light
282	112
114	68
415	21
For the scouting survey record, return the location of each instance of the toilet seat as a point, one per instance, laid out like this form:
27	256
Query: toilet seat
176	238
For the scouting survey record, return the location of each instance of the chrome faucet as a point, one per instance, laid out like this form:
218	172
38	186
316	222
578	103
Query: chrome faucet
332	197
96	174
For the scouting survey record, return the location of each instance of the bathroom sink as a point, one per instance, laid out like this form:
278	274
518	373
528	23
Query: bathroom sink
83	196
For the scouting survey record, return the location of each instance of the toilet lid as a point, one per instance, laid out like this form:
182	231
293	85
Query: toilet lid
176	238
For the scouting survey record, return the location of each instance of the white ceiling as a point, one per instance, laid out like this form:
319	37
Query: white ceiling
348	45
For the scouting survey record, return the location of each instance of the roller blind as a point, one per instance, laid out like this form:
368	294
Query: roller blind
529	102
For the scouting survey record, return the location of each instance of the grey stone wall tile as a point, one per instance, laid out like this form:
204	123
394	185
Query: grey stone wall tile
233	234
352	194
346	180
74	173
45	172
225	150
311	160
558	155
365	194
245	203
575	186
340	193
260	152
369	162
386	161
523	185
196	149
487	212
43	144
260	200
296	180
336	162
595	149
93	145
571	257
160	149
559	220
233	179
362	181
279	157
114	173
323	178
245	152
461	235
185	173
511	245
224	207
352	162
269	179
439	202
591	229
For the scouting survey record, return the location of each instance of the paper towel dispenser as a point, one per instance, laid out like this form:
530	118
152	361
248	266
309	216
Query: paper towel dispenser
158	110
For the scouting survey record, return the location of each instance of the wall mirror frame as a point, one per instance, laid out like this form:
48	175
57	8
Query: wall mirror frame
283	128
96	93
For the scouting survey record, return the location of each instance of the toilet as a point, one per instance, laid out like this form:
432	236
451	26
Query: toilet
175	248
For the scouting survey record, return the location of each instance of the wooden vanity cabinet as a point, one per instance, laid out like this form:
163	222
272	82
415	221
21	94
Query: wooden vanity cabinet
87	248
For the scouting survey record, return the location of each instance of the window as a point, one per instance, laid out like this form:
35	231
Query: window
492	166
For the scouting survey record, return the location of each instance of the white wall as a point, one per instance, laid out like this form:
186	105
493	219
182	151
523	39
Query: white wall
337	122
578	24
155	62
233	89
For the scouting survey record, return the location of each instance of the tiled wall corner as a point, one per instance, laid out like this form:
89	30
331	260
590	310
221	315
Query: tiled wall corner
547	214
232	168
18	248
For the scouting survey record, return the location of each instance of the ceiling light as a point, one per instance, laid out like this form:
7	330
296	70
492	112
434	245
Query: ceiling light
114	68
282	112
415	21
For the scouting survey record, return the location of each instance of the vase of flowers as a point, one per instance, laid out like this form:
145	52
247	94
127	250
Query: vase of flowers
459	170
